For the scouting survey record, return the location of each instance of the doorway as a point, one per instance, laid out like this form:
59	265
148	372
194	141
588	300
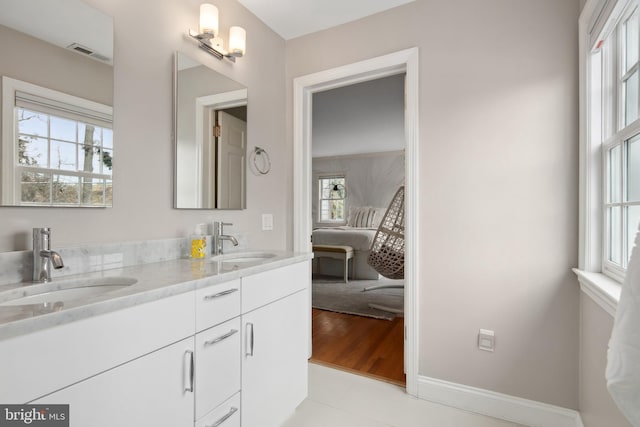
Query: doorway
304	87
358	166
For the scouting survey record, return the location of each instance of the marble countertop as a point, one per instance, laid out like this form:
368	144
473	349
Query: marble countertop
153	281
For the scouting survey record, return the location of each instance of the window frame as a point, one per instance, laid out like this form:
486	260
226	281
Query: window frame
81	111
320	180
603	126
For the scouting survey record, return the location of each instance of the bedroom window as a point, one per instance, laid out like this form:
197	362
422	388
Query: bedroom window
333	195
614	133
57	149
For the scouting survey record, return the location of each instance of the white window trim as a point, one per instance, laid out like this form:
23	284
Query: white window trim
8	146
602	289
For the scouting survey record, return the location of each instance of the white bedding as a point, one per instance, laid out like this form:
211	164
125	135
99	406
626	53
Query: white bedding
359	239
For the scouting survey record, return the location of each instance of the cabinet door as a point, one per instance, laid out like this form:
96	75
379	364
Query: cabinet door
274	362
148	391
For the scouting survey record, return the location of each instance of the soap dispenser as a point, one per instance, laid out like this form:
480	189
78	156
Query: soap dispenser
199	242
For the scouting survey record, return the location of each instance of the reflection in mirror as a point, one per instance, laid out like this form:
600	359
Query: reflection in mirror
57	91
211	138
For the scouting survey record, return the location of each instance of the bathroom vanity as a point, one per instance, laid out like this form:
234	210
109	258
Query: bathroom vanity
191	343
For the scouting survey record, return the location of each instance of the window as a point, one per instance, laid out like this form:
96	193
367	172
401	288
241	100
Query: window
57	149
614	131
332	191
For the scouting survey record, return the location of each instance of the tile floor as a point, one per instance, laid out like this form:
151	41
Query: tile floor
340	399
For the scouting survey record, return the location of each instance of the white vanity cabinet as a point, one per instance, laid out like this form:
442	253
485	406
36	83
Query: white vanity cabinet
229	354
153	390
275	321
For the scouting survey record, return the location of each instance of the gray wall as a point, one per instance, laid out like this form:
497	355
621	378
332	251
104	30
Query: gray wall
358	130
597	409
498	182
372	179
32	60
143	112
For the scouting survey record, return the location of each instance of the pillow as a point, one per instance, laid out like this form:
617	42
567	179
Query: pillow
378	217
362	217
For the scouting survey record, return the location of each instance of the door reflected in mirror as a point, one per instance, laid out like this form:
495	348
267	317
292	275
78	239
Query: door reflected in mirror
210	138
57	94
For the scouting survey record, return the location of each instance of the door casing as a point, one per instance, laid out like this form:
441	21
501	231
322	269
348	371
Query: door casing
405	61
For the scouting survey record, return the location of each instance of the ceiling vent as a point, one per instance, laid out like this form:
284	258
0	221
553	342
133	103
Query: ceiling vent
77	47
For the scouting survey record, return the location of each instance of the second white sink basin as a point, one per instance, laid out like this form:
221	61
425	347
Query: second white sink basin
69	290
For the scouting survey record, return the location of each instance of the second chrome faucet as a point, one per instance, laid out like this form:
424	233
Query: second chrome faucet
43	257
219	237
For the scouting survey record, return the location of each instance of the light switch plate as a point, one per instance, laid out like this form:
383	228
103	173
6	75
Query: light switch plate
267	222
486	340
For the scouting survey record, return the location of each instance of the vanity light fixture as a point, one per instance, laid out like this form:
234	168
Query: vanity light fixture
209	39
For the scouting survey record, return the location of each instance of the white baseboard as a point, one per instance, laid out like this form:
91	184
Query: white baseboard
497	405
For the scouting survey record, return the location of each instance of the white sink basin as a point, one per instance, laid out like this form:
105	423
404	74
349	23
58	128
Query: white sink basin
67	290
244	257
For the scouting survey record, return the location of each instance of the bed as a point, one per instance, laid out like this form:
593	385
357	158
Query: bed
359	234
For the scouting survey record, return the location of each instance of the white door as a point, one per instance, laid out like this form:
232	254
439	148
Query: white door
231	149
274	362
149	391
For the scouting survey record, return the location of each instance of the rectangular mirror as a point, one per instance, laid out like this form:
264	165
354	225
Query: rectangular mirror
57	144
210	138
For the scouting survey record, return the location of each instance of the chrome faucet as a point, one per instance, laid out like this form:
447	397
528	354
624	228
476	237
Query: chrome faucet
43	257
219	237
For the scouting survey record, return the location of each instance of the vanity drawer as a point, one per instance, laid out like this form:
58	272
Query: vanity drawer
225	415
262	288
217	365
216	304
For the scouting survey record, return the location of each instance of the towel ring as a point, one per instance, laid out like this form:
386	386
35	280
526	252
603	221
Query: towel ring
263	166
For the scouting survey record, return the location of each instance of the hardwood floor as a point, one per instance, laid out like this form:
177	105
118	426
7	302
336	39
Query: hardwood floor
364	345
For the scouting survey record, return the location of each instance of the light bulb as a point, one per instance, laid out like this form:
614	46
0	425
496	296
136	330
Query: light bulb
237	41
208	19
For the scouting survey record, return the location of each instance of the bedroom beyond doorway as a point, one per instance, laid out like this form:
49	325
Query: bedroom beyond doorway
358	165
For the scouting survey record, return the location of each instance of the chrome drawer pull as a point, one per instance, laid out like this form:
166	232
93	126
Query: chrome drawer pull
249	339
220	294
232	411
221	337
188	371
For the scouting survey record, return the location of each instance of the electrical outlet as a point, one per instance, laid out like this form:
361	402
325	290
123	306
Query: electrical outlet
486	340
267	222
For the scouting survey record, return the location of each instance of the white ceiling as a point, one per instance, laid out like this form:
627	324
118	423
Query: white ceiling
294	18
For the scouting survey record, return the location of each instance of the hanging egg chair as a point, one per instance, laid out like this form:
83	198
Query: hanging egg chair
386	255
